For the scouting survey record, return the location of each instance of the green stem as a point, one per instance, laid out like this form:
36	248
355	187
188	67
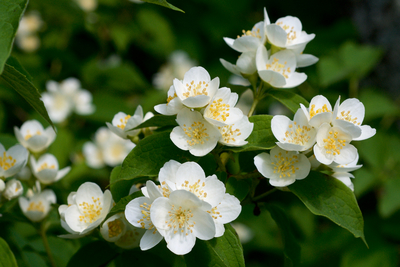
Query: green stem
253	107
264	194
218	160
42	231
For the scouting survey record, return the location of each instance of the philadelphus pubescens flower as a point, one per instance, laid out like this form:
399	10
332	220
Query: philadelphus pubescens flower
33	137
108	149
173	105
187	205
296	135
287	33
86	209
177	65
13	160
122	123
65	97
282	167
237	133
13	189
37	204
196	89
194	133
342	172
278	69
46	169
87	5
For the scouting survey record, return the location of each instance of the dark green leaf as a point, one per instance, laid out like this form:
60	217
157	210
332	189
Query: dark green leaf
158	121
327	196
120	206
290	100
147	158
238	188
10	14
389	198
7	258
261	138
12	61
222	251
164	4
94	254
291	246
26	89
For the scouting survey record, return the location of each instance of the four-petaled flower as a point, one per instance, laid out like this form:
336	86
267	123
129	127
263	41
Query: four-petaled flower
33	137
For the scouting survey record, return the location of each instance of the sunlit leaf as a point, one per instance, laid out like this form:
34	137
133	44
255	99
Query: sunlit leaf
158	121
120	206
327	196
164	3
7	258
290	100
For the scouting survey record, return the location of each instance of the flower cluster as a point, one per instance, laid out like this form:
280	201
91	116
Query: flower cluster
276	64
185	205
325	131
65	97
206	114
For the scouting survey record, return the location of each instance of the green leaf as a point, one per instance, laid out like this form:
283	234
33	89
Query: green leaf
290	100
164	4
93	254
261	138
158	121
26	89
291	246
389	197
10	14
327	196
222	251
238	188
7	258
147	158
120	206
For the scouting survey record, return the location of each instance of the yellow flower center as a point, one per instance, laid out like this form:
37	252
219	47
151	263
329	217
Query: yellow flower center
214	213
170	98
291	34
197	132
91	212
196	188
29	135
297	135
347	117
284	164
46	166
218	110
181	220
193	89
279	67
333	144
115	228
7	162
228	134
314	112
255	32
123	122
146	217
33	206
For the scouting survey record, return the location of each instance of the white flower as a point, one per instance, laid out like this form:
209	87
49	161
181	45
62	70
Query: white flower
278	69
349	116
221	111
13	160
173	105
46	169
37	205
33	137
319	112
67	96
243	231
108	149
86	209
182	218
194	133
282	167
287	33
250	40
2	185
342	172
26	37
123	124
303	60
13	189
113	228
225	212
137	212
177	65
333	146
296	135
237	133
245	101
196	89
245	64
